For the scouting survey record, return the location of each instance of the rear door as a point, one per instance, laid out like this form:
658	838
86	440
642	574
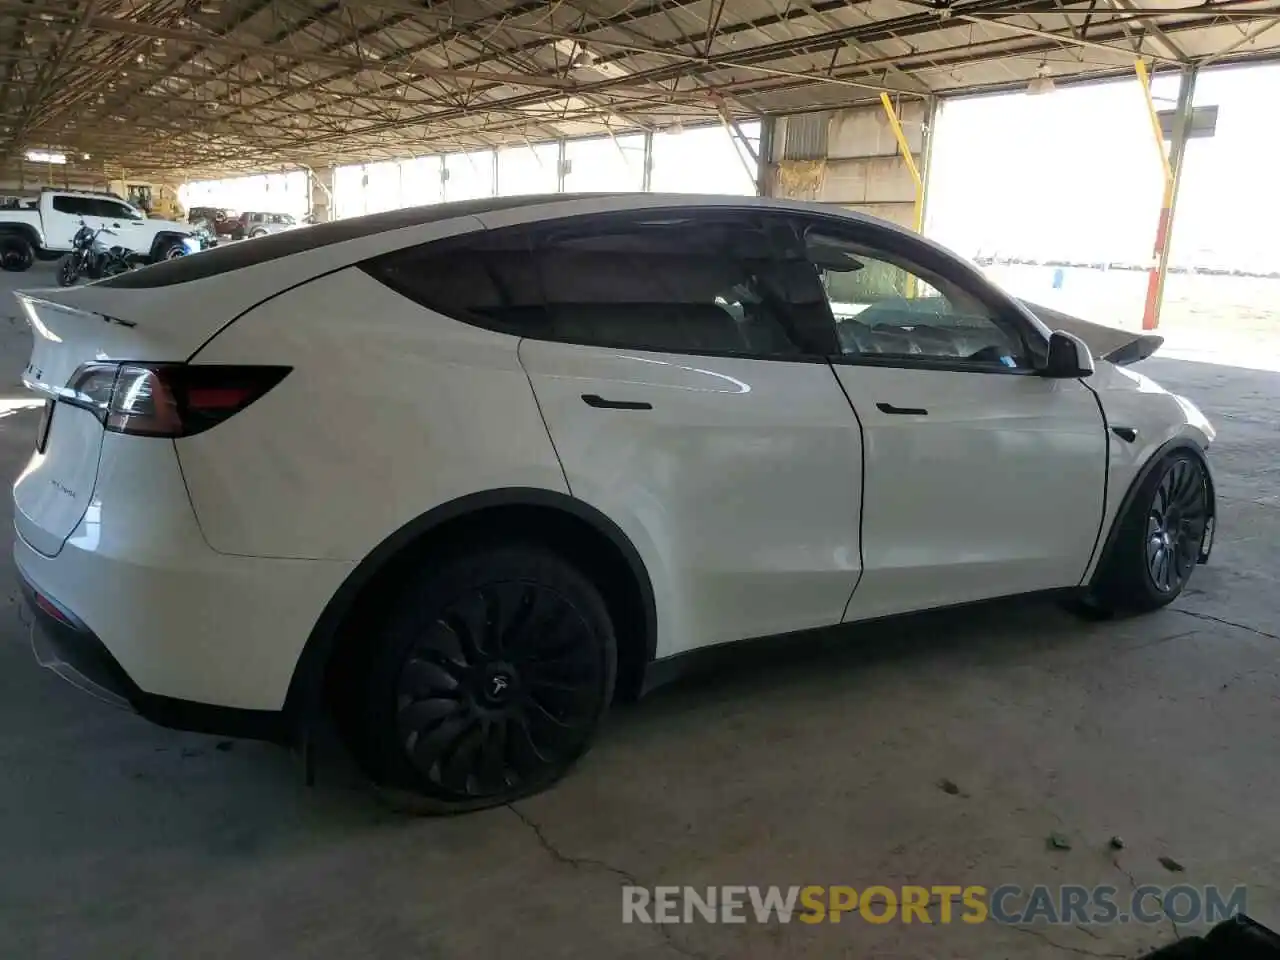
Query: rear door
983	478
61	217
684	403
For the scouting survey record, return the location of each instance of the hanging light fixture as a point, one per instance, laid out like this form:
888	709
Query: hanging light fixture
1042	83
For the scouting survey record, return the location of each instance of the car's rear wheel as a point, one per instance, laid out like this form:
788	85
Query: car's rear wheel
488	680
1158	542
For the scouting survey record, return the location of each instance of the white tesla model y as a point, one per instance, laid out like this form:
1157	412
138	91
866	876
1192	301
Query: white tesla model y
466	472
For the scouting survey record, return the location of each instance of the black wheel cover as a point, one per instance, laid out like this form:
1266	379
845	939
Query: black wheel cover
500	691
1176	524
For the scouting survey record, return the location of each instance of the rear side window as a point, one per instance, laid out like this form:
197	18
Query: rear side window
666	282
111	209
76	206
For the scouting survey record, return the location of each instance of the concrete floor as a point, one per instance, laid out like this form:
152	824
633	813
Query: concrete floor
815	767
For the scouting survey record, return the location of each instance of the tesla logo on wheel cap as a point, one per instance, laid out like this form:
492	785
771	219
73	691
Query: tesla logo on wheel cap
499	684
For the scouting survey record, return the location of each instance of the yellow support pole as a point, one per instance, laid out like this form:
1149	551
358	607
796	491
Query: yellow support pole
910	161
1144	78
1169	166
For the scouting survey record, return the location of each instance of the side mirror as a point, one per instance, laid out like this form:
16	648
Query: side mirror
1069	357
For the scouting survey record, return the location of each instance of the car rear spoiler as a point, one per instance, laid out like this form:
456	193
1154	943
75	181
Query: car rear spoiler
1121	347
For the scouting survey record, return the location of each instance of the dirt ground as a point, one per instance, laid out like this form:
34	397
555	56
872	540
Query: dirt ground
828	761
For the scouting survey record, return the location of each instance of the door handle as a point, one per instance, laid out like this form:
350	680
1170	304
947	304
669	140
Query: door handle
905	411
600	403
116	225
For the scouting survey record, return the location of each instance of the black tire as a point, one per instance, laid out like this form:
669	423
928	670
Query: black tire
488	679
172	250
16	253
1158	541
67	274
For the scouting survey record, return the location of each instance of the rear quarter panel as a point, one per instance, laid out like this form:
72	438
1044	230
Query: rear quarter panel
390	410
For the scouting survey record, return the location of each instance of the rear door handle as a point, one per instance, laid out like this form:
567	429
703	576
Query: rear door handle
905	411
600	403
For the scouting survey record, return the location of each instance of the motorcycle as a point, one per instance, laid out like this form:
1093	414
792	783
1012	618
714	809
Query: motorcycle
92	259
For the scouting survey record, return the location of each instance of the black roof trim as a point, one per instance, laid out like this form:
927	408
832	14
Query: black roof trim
248	253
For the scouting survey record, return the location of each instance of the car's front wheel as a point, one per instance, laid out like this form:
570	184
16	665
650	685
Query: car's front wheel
488	679
1158	541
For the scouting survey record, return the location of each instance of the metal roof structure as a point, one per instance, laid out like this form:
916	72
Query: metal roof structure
216	87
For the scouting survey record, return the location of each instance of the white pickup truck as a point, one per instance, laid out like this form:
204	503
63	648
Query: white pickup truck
45	231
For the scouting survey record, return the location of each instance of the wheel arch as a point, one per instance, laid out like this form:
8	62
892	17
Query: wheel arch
24	230
162	240
619	572
1181	442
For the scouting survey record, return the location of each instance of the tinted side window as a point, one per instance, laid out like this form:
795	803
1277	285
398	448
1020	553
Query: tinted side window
486	278
112	210
664	282
76	206
674	285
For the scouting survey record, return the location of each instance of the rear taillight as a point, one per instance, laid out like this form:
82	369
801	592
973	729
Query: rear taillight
167	399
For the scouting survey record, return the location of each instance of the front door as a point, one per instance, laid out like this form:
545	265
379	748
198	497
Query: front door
127	227
983	479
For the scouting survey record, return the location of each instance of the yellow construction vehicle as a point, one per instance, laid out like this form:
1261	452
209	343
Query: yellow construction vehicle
158	200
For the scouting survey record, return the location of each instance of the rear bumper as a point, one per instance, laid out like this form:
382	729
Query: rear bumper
66	646
63	644
145	612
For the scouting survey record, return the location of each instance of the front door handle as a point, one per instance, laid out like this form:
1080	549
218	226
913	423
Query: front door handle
905	411
600	403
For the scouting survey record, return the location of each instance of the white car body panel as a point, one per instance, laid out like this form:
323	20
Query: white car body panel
1130	399
739	488
183	620
431	410
997	490
54	490
26	217
52	493
758	500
